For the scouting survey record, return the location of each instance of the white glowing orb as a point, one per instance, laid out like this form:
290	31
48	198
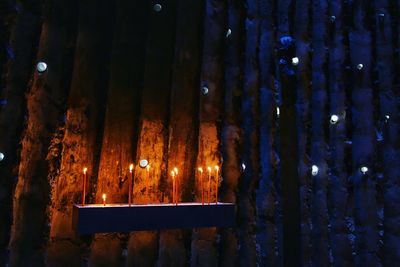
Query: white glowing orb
143	163
278	112
204	90
1	156
41	67
334	119
228	33
295	61
243	166
314	170
387	117
360	66
364	169
157	7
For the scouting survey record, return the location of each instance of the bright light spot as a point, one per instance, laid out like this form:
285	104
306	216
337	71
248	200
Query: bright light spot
204	90
216	168
243	167
364	169
176	170
278	112
157	7
295	61
334	119
228	33
360	66
333	18
1	156
200	169
143	163
41	67
314	170
209	169
104	196
85	170
131	167
387	117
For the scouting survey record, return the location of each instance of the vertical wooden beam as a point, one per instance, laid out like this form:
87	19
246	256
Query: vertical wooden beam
46	104
183	123
266	195
121	121
388	126
83	129
153	129
363	134
320	232
288	143
303	114
338	191
23	41
250	146
204	252
231	132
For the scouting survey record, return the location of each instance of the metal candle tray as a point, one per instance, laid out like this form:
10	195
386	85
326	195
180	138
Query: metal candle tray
97	218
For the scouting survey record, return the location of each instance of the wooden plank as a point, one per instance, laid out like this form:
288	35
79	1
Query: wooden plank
83	127
97	218
153	126
183	124
121	121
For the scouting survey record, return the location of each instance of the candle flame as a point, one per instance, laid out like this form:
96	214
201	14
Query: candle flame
84	170
209	169
148	167
216	167
173	174
104	196
200	169
131	167
176	170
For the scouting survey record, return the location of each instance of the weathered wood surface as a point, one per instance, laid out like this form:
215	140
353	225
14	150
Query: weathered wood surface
241	51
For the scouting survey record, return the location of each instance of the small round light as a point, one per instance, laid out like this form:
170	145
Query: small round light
364	170
204	90
228	33
333	18
41	67
1	156
157	7
387	117
143	163
314	170
334	119
278	112
360	66
295	61
243	167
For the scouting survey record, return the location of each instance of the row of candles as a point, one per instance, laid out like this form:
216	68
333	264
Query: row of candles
175	184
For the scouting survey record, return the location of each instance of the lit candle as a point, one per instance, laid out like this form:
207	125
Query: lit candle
216	184
176	185
130	185
173	186
104	199
209	184
84	186
148	180
201	185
